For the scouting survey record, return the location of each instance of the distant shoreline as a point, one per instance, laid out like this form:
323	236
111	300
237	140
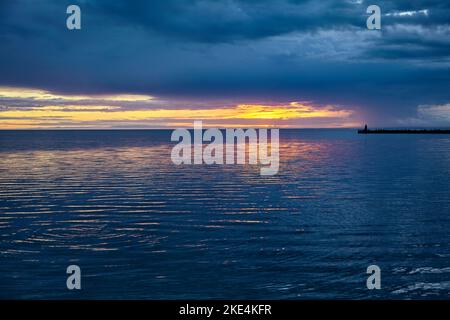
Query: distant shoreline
404	131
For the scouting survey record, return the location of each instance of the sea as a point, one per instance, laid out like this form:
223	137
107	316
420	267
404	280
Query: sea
140	227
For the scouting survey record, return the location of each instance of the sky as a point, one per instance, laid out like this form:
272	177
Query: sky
229	63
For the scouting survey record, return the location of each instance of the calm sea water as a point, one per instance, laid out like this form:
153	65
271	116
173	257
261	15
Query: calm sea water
113	203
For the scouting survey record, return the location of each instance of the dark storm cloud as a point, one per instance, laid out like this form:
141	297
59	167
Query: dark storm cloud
238	50
224	21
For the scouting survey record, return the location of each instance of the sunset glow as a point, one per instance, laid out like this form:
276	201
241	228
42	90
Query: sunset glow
30	108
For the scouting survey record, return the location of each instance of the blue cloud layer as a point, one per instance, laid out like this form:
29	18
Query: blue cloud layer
259	51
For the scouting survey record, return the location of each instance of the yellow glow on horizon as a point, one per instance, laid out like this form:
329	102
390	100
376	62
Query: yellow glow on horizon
293	110
91	111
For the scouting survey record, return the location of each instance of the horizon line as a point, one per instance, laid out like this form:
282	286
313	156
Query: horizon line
220	128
